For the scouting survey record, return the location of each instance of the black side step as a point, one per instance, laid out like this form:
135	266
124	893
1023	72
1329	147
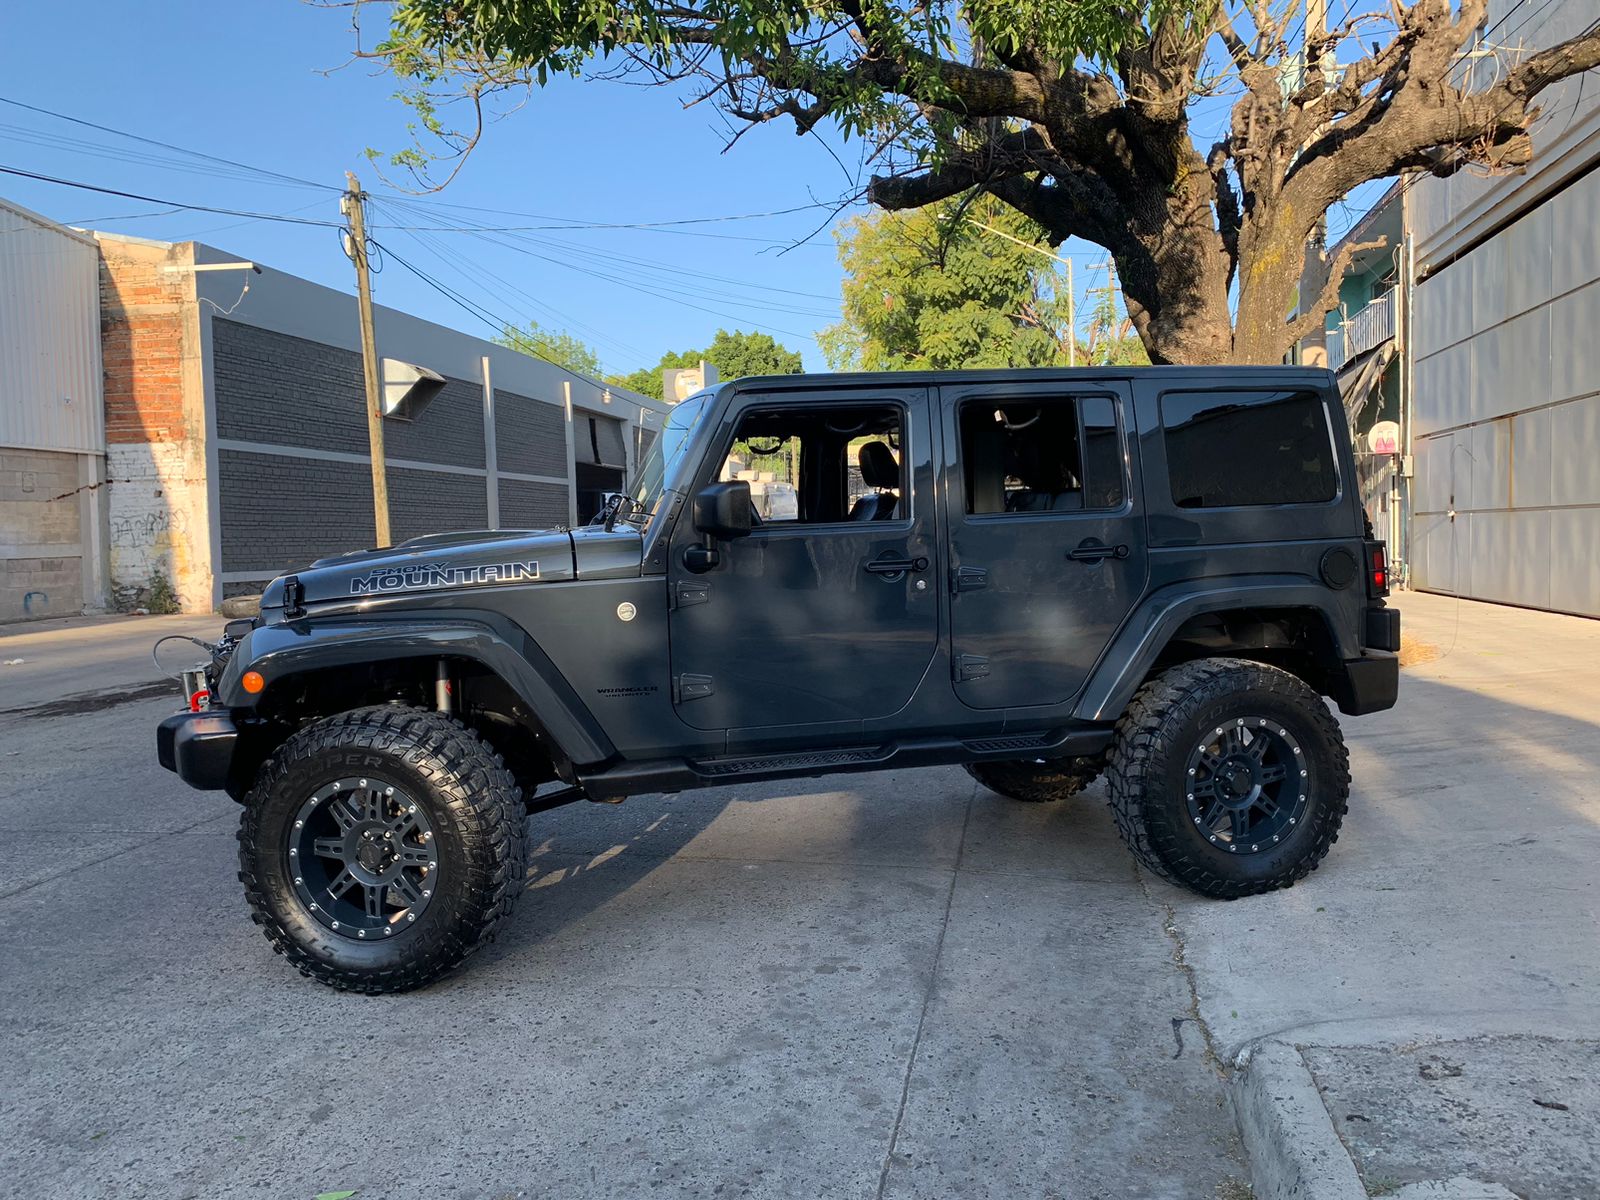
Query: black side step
799	760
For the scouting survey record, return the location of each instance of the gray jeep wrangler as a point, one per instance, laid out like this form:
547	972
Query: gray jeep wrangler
1042	576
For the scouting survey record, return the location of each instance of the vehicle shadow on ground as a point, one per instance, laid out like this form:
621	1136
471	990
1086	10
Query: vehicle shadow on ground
919	821
581	857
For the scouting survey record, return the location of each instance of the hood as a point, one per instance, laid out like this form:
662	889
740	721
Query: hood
457	563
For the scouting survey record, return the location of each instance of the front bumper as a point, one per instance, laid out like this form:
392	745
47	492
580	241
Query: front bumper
198	747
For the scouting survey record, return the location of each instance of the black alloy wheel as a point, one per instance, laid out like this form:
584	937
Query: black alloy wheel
1246	789
362	858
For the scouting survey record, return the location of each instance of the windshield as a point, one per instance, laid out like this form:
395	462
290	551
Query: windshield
662	460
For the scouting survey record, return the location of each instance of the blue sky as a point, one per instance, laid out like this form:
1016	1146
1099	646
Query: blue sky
257	81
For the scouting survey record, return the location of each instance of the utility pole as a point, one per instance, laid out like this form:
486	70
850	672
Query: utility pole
1316	27
1104	320
354	206
1072	320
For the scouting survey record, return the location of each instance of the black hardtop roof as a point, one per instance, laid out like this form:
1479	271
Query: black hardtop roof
1209	376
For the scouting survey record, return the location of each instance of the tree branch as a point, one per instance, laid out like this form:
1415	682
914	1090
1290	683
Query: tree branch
1313	318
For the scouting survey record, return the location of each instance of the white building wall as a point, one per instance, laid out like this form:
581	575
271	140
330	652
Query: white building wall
52	427
1506	411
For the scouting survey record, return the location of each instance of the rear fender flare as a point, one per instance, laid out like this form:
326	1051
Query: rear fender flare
1145	634
280	652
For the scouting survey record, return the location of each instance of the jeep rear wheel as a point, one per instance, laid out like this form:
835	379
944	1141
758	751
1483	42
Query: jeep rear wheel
380	847
1228	777
1037	780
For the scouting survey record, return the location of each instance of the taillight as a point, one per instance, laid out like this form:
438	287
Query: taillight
1377	571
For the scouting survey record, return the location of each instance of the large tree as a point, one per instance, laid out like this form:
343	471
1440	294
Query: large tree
1080	114
950	285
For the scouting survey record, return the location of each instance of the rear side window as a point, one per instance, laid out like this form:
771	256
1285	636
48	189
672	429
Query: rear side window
1048	454
1240	448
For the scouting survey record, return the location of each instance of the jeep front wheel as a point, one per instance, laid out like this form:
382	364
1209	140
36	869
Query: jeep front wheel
1037	781
380	847
1228	777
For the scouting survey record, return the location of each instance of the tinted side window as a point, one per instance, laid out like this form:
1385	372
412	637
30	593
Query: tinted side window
1055	454
1248	448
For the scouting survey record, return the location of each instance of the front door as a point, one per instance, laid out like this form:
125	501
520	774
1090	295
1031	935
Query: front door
1047	551
827	614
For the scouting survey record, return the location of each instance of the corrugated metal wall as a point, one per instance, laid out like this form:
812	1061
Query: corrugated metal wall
49	336
1506	414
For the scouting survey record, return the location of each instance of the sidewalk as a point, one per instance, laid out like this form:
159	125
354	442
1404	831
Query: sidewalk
105	656
1440	974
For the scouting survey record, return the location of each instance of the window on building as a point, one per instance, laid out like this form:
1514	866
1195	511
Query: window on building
814	466
1237	448
1057	454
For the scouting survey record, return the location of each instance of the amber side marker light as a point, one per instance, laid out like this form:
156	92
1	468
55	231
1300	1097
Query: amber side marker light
253	682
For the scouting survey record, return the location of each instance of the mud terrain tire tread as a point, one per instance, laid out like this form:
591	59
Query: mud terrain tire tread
476	802
1156	727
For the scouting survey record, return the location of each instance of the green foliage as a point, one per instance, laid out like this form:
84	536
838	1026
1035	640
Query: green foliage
1094	30
557	346
162	597
442	50
934	289
734	355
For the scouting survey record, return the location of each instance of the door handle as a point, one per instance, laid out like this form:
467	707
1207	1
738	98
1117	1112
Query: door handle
895	567
1092	551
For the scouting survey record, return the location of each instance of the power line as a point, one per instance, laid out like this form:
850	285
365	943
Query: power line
169	146
674	274
499	324
226	212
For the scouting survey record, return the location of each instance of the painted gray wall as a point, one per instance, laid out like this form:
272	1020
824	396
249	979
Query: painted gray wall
288	438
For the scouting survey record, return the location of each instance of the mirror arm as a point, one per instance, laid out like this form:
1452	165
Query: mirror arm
702	558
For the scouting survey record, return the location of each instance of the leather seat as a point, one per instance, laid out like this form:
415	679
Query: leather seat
880	471
1027	500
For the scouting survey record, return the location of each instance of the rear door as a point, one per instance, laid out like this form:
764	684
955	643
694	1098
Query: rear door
1047	545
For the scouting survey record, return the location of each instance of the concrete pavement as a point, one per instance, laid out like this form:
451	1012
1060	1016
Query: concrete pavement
895	985
1462	901
76	656
883	986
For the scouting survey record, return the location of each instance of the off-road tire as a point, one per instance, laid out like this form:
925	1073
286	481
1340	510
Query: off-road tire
1036	782
1148	765
471	803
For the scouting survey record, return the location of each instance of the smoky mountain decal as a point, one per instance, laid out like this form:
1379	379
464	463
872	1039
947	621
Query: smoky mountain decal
412	578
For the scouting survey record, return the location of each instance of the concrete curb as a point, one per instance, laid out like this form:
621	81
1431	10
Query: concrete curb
1287	1132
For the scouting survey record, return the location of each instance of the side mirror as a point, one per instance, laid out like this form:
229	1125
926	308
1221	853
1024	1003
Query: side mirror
722	510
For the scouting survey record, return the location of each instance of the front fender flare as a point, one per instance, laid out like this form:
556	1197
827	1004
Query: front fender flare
279	652
1145	634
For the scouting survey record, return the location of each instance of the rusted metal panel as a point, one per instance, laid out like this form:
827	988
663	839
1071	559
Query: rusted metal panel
50	382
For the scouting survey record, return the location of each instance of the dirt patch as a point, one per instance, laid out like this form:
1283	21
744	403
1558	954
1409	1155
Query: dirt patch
95	701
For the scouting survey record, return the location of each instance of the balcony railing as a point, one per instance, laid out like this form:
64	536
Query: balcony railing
1370	328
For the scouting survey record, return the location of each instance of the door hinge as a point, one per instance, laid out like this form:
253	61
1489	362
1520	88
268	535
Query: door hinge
690	591
969	579
691	687
970	666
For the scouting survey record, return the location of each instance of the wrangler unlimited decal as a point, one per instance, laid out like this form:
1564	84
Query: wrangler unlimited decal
405	579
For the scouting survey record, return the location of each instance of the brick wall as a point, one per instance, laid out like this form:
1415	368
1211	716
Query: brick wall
155	423
41	555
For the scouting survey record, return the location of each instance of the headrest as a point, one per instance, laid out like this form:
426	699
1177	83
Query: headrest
878	467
